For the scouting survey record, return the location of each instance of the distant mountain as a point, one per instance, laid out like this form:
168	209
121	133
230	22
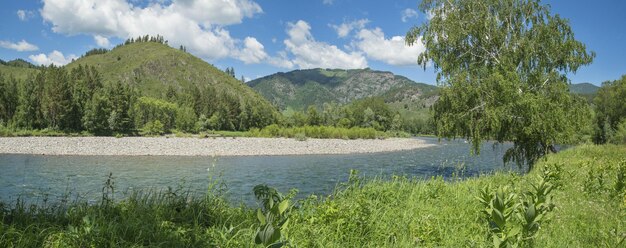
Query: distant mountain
301	88
583	88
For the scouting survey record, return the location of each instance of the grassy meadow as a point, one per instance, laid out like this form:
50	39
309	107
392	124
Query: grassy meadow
584	206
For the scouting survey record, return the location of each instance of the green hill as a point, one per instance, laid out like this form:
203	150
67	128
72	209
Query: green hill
160	71
19	72
153	68
301	88
583	88
586	90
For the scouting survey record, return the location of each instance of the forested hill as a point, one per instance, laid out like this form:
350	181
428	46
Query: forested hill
18	68
156	68
301	88
143	85
584	89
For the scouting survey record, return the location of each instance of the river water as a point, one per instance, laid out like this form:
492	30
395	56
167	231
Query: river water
38	177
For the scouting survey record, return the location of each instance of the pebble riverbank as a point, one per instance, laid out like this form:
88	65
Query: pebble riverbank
169	146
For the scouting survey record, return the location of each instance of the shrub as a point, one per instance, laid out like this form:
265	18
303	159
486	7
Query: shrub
619	137
186	120
300	137
154	128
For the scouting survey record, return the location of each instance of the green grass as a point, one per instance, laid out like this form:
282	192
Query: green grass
400	212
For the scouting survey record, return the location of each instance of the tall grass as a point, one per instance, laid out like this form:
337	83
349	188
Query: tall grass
588	196
164	219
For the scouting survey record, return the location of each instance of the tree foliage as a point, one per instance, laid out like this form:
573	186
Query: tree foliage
610	109
8	98
502	66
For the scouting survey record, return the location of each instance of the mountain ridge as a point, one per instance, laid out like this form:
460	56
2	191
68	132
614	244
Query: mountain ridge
299	89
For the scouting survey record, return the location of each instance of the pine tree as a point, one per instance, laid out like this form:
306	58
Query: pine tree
57	98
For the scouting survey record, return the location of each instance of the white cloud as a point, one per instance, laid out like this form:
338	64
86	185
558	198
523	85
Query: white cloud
102	41
21	46
408	14
222	12
24	15
253	51
328	2
393	51
345	28
310	53
196	24
281	61
55	57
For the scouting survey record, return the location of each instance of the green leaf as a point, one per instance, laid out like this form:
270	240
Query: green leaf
267	235
499	219
260	217
284	224
496	241
282	207
257	238
514	231
530	213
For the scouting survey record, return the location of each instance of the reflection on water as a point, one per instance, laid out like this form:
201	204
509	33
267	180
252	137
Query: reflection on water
34	177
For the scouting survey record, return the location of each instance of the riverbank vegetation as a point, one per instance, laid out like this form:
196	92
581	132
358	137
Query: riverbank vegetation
57	100
578	197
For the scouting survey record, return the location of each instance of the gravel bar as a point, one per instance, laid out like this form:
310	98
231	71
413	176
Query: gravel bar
169	146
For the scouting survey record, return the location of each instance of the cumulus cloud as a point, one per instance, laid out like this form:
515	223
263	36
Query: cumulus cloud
199	25
282	60
310	53
253	51
345	28
55	57
21	46
102	41
393	51
328	2
408	14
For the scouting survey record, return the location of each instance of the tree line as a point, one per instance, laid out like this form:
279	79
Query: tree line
78	100
610	112
371	112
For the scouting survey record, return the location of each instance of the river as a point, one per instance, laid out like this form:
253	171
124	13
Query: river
37	177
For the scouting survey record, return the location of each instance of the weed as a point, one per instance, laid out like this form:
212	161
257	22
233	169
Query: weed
273	217
515	219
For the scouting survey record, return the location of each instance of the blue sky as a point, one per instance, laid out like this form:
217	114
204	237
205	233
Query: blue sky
261	37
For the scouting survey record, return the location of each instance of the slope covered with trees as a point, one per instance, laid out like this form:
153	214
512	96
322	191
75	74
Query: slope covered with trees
142	85
17	72
302	88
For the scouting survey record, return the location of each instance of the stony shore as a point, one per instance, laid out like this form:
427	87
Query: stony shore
156	146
